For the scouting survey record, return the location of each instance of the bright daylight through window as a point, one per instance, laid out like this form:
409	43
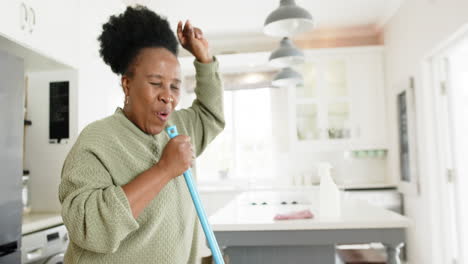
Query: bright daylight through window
242	153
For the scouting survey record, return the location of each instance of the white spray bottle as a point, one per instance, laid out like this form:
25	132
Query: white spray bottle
330	203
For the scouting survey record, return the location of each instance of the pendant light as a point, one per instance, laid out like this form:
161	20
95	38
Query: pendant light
288	20
287	77
286	55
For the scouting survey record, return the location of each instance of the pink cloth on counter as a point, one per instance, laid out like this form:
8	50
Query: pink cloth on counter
304	214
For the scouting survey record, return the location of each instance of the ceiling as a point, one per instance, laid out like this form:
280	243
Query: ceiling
237	24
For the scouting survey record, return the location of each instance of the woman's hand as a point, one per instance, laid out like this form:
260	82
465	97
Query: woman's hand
177	156
191	38
175	159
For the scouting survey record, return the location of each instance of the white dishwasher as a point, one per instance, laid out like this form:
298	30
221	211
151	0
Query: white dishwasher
46	246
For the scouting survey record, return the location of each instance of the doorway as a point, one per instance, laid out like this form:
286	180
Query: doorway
449	71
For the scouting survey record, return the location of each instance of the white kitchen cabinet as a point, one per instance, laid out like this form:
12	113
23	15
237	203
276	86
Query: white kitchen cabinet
368	97
48	27
13	21
340	106
56	29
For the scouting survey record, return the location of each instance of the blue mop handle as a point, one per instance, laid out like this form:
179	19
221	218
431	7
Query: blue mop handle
217	256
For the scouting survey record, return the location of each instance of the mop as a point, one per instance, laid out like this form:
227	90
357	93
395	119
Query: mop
217	256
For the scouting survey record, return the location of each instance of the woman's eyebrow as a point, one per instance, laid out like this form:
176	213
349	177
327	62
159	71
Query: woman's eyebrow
159	76
152	75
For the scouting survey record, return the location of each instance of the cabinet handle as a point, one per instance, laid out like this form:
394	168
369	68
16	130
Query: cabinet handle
23	16
32	20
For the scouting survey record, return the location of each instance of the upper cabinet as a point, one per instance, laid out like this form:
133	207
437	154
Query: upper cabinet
13	20
368	97
340	105
48	27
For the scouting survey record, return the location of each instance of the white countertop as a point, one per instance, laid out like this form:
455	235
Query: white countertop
37	221
220	187
237	215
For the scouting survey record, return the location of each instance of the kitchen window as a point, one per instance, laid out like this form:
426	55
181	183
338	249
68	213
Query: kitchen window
242	155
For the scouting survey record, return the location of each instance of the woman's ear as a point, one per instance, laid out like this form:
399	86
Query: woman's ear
125	84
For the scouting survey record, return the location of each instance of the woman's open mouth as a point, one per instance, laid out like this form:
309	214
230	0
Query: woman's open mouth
163	115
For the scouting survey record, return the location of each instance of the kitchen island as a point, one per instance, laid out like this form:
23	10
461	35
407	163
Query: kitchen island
247	233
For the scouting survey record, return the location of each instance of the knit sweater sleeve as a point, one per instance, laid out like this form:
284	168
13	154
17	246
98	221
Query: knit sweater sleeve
95	211
204	120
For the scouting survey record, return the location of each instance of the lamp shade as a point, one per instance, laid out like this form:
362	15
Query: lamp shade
287	77
286	55
288	20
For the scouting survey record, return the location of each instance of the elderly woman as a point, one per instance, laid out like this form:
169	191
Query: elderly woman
122	198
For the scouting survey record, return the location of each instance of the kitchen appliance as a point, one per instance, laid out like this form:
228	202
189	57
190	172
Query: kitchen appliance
45	246
11	152
261	198
385	197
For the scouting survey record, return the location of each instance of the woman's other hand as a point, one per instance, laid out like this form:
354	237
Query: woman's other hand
191	38
177	156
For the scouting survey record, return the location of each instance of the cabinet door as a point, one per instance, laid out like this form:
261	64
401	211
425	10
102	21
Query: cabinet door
12	19
322	104
341	103
309	122
336	98
54	29
369	126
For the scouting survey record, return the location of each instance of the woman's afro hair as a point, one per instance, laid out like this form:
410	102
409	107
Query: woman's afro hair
124	35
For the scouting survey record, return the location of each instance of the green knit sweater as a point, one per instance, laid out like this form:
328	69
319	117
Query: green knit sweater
110	153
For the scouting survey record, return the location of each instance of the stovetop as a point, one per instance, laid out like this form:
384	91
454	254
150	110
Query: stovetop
263	198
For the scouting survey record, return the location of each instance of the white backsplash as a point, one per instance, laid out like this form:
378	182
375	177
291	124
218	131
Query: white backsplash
301	168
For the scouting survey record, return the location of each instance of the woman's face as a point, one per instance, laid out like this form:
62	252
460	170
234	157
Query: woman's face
152	90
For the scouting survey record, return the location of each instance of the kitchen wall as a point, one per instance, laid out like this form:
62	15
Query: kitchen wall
100	92
411	35
301	168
